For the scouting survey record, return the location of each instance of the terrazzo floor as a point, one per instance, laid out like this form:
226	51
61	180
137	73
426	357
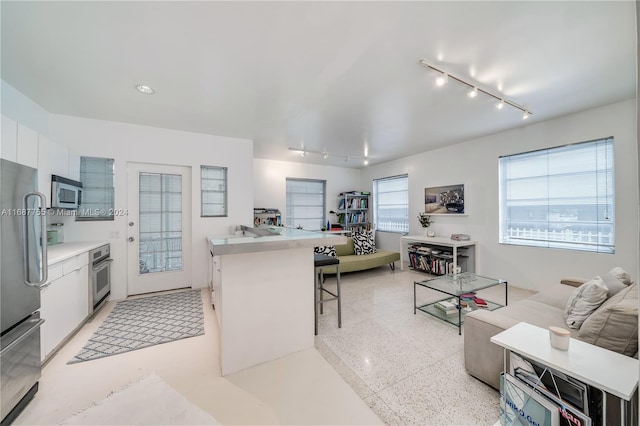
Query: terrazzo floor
408	368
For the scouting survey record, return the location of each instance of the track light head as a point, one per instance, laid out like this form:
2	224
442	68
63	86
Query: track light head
500	104
525	115
366	161
442	79
303	153
473	93
325	155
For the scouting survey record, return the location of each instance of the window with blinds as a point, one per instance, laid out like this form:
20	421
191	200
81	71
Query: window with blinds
97	177
160	222
213	182
559	197
306	204
391	203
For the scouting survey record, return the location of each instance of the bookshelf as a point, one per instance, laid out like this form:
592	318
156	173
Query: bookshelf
437	255
262	216
353	210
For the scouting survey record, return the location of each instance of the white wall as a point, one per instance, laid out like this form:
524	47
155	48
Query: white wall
475	164
270	186
135	143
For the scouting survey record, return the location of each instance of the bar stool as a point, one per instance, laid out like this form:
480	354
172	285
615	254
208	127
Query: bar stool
321	261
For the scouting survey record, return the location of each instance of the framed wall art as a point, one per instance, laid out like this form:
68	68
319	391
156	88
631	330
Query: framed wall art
444	199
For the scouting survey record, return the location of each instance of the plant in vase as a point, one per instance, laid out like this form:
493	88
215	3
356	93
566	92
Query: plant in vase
426	221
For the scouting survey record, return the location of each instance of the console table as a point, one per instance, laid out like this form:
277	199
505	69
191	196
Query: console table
440	242
608	371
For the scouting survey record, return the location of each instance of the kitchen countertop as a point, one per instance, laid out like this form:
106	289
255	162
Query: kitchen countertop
59	252
288	238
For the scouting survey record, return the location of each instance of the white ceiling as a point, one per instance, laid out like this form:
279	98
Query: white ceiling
341	77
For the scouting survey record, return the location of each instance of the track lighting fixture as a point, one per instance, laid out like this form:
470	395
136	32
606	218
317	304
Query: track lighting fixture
325	154
443	77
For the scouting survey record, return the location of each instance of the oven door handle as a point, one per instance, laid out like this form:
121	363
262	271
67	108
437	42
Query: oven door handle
103	264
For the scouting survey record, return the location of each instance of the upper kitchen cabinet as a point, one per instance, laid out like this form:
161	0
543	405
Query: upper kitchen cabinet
27	147
53	159
74	165
9	141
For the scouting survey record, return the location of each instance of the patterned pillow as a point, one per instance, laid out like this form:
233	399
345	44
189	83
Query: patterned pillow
328	250
364	242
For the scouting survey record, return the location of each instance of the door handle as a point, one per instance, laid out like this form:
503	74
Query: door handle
44	273
131	239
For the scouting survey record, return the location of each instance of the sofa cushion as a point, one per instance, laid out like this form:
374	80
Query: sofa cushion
536	313
583	301
363	262
614	325
364	243
327	250
345	249
555	296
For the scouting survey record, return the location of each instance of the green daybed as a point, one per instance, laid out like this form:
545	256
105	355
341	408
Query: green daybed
350	262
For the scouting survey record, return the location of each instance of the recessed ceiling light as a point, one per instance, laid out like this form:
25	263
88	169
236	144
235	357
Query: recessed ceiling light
145	89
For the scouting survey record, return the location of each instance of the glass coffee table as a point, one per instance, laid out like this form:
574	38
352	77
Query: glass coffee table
455	286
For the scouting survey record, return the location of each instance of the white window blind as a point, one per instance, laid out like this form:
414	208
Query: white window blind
96	175
391	203
306	203
213	181
559	197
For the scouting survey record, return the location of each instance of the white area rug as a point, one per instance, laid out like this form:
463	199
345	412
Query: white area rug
149	401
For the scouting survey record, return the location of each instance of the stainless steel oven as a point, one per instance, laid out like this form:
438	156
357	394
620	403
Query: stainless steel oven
100	275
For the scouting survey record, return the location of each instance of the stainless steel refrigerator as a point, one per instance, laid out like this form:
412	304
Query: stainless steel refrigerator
23	269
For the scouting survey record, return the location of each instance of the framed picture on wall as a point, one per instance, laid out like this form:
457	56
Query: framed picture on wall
444	199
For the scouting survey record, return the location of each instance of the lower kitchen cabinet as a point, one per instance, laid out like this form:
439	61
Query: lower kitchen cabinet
64	302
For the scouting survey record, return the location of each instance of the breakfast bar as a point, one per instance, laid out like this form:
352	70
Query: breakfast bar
262	291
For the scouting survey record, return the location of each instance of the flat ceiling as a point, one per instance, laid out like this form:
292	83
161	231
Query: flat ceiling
337	77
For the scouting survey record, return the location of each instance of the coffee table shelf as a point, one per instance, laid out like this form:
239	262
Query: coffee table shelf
454	286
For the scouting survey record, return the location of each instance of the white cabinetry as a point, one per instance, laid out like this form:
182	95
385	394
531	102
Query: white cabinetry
53	159
74	165
27	149
64	302
9	141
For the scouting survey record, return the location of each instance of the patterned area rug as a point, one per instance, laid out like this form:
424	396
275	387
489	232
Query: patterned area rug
140	323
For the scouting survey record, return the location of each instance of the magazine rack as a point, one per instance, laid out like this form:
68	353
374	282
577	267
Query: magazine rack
608	372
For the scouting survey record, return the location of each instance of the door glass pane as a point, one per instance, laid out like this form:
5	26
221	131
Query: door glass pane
160	223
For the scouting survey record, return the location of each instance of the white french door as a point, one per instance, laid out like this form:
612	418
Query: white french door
159	227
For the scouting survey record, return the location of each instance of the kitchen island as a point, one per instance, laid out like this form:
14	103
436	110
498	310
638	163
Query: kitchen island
263	293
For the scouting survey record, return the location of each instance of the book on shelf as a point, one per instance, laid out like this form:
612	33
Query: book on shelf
446	306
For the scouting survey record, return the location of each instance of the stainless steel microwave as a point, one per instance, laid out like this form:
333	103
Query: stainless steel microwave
65	193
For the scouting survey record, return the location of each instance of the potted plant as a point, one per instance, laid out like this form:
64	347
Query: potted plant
426	221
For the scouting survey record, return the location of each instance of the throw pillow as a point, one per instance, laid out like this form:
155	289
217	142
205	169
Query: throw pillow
584	300
614	325
621	274
328	250
364	243
613	284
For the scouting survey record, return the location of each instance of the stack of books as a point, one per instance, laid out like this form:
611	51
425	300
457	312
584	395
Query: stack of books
447	307
480	303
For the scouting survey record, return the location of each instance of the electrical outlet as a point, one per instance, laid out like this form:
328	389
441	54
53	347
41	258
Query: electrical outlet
114	235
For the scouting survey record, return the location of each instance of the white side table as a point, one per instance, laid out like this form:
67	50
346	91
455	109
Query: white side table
603	369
